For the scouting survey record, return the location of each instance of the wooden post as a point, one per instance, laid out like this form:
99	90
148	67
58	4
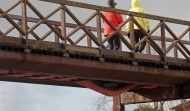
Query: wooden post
163	41
63	26
56	36
132	36
99	32
175	52
189	35
148	47
89	43
25	26
117	106
24	20
120	49
20	25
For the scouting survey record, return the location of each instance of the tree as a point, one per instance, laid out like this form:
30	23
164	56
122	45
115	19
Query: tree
157	106
104	103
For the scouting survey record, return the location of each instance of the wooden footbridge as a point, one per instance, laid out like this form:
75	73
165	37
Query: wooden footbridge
70	58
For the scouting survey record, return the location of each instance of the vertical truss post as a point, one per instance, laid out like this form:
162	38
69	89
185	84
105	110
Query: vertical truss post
175	52
163	41
56	36
99	32
189	35
132	36
148	47
120	49
24	19
20	25
117	106
89	43
63	29
24	25
63	26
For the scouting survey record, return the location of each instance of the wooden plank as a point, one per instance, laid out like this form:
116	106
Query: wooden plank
82	25
145	38
38	81
35	35
183	53
117	106
148	51
56	37
71	25
132	36
171	40
163	41
95	70
99	33
46	35
83	49
175	37
89	43
87	31
9	30
175	52
63	26
44	19
177	40
125	12
1	33
33	44
12	22
116	54
24	20
79	39
13	6
144	95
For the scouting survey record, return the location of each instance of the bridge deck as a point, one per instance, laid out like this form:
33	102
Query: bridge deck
47	59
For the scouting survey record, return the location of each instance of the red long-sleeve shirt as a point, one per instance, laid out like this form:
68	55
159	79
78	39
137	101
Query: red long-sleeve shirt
115	19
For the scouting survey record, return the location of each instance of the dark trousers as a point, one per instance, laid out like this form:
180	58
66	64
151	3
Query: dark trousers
138	36
114	40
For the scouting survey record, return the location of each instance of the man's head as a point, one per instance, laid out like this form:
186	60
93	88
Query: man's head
111	3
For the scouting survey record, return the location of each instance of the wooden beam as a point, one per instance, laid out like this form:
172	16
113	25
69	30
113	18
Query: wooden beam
71	25
99	33
79	39
12	22
24	20
13	6
125	12
117	106
3	77
177	40
144	95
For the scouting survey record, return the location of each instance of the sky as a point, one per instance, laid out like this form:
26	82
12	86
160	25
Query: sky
31	97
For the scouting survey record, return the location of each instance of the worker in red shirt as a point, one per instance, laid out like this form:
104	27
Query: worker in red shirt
115	19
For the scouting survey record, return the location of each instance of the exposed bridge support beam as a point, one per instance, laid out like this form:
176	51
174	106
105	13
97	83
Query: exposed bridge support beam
156	94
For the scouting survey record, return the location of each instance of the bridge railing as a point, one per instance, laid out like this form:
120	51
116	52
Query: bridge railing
59	27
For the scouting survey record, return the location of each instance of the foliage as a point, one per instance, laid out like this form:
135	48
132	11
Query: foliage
103	103
146	108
